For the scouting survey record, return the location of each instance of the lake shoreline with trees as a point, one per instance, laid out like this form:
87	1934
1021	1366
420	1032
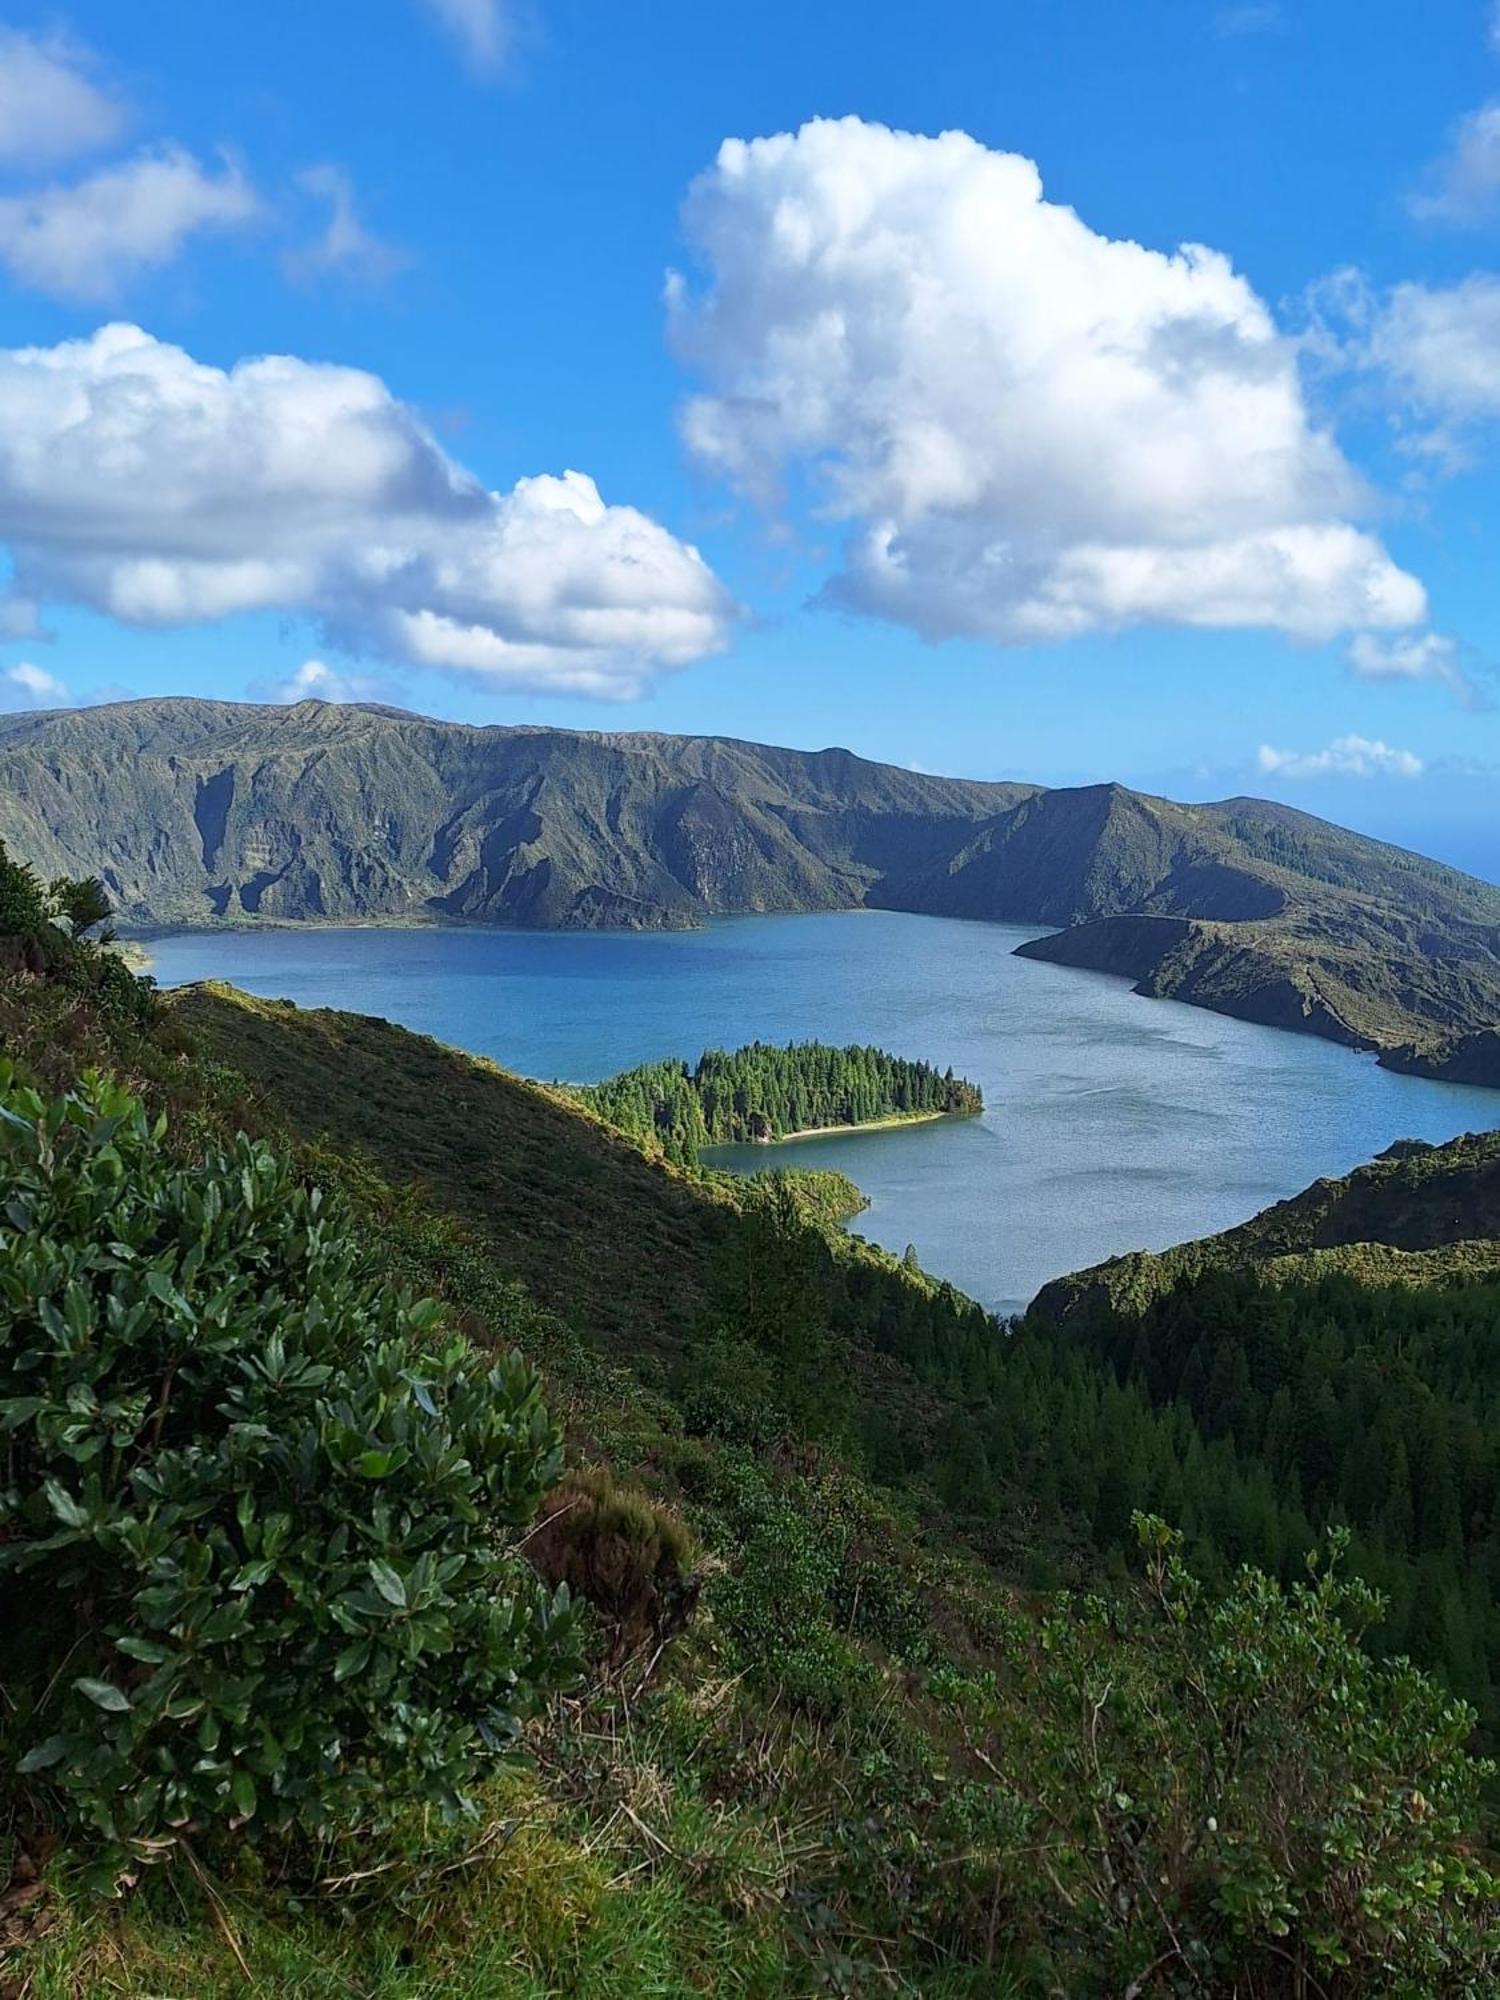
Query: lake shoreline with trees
765	1095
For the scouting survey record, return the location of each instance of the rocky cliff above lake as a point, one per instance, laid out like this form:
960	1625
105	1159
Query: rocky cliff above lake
202	811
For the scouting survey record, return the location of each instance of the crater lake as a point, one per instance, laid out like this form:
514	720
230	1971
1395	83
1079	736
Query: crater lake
1111	1122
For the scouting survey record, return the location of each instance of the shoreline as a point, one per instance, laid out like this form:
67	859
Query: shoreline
867	1125
144	935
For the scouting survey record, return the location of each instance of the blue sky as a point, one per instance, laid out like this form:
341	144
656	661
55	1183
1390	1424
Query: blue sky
918	461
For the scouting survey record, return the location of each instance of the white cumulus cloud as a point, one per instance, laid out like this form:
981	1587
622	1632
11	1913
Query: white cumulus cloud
85	239
28	686
50	105
1031	430
1345	757
160	491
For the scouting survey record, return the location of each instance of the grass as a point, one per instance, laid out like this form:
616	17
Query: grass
528	1904
524	1164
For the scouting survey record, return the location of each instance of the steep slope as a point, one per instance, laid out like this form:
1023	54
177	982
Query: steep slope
1471	1058
194	811
828	1759
1255	910
532	1165
1418	1215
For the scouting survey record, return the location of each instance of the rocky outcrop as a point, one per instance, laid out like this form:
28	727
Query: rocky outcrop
1464	1059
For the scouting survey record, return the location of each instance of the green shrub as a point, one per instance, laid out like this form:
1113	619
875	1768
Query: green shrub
1228	1796
255	1561
725	1388
44	936
23	900
81	904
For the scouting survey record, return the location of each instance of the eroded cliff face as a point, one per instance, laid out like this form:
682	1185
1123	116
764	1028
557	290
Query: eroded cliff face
195	812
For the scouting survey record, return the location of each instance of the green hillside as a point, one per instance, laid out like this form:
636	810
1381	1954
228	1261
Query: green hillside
198	811
525	1164
882	1690
1417	1212
1339	1354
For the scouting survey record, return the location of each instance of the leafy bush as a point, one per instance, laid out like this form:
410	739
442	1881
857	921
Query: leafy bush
23	900
254	1561
725	1388
44	934
1229	1796
83	905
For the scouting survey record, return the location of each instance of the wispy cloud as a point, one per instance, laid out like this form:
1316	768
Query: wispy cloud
1265	18
28	686
1345	757
86	239
1418	656
344	248
1462	187
483	30
315	680
51	106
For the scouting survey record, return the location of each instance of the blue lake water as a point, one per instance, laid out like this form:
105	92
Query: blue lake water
1111	1122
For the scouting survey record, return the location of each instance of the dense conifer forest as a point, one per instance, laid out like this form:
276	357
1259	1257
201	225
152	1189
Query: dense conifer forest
1253	1414
763	1092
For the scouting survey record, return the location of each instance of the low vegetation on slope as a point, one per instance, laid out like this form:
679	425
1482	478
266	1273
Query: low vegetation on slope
818	1745
1425	1210
255	1547
537	1173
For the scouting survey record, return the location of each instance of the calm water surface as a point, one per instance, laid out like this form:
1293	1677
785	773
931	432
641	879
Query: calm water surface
1111	1122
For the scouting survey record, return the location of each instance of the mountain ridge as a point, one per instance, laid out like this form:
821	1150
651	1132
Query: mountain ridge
196	812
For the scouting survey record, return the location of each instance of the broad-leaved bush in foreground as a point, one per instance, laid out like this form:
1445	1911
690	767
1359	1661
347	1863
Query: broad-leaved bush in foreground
258	1512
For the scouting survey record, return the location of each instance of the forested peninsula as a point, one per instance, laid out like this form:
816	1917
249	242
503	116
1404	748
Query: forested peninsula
762	1093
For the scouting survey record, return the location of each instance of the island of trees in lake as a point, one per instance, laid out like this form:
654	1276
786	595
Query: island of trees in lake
762	1092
